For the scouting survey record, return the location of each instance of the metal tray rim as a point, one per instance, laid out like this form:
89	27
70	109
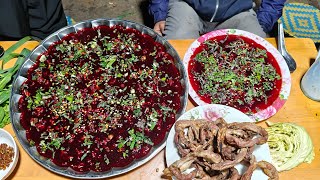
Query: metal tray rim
46	163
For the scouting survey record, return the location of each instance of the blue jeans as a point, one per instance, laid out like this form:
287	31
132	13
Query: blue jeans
184	23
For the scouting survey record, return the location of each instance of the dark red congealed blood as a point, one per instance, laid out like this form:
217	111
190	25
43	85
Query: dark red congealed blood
100	98
235	71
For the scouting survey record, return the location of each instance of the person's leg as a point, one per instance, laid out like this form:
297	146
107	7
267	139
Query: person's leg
246	21
45	17
14	23
182	21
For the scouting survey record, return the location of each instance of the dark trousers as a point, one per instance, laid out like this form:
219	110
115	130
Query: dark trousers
38	18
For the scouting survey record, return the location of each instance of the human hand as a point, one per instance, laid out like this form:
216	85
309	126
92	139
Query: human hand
159	27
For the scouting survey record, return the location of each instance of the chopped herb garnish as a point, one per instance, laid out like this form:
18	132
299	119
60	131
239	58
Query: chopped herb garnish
83	156
100	93
234	73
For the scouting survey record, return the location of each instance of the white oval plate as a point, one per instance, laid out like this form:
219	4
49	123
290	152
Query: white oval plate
212	112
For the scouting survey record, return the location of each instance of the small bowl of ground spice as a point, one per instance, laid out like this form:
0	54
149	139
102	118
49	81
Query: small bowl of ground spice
9	154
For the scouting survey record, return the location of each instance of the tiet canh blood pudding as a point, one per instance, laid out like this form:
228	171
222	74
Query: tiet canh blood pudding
100	98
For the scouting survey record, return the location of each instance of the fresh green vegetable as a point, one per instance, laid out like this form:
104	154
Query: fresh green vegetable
4	96
6	77
9	53
289	145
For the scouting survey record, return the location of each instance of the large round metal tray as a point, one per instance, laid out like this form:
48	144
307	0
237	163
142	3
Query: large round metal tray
42	47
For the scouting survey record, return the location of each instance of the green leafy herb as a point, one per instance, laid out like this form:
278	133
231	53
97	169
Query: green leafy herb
84	156
107	62
135	140
6	77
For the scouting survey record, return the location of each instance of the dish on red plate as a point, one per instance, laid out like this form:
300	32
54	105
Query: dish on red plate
238	69
98	101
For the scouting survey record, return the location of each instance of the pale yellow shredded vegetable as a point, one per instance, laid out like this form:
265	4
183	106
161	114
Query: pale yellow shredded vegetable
290	145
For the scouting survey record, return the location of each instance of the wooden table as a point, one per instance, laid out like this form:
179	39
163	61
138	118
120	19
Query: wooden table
298	109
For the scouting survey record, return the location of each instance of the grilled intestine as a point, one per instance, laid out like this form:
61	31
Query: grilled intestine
213	148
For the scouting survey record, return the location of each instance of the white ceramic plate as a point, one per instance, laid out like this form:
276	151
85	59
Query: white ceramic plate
212	112
6	138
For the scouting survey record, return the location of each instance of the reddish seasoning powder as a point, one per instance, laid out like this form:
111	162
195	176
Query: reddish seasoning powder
6	156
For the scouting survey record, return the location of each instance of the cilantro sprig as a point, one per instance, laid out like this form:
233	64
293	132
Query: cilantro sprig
133	141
